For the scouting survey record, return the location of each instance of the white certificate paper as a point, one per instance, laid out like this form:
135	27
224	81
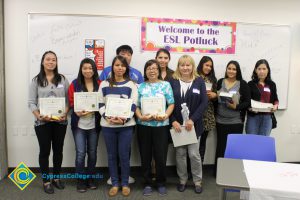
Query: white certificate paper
118	107
153	105
52	106
184	137
261	107
86	101
208	86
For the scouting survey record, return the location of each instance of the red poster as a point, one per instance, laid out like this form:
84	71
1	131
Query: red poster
94	49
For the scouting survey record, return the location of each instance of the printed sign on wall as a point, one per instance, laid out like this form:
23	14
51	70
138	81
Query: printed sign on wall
178	35
94	49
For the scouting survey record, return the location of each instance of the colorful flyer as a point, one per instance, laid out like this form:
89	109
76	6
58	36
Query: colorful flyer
94	49
179	35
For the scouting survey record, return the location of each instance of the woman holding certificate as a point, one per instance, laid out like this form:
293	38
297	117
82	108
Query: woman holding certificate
190	103
85	121
163	57
153	120
49	104
263	90
206	71
233	101
117	102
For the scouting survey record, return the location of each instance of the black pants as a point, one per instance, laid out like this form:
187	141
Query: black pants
202	146
222	132
153	140
51	134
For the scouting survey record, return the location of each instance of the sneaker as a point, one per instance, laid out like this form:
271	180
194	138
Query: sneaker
125	191
162	190
109	181
91	184
147	191
131	180
181	187
81	186
113	191
198	189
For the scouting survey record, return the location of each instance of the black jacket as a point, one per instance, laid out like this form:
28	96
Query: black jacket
256	95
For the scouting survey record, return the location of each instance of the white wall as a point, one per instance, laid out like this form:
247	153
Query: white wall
22	142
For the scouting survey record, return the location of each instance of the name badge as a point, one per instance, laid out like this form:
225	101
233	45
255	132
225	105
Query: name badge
196	91
232	92
266	89
60	86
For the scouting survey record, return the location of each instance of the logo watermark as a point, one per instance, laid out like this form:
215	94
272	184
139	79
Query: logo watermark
22	176
72	176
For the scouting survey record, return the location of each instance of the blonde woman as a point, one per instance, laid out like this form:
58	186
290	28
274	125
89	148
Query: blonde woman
190	89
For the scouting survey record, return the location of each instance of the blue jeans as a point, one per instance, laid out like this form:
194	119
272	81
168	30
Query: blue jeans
118	141
259	124
86	141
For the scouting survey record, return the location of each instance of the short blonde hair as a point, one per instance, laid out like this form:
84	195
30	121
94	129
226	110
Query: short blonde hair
182	60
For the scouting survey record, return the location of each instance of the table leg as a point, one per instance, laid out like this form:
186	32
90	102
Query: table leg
222	194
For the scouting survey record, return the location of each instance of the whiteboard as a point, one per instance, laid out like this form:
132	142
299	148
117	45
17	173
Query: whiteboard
66	34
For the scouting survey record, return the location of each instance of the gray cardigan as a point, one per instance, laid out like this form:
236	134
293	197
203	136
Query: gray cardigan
51	90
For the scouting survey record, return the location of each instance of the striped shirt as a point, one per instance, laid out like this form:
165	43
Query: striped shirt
127	90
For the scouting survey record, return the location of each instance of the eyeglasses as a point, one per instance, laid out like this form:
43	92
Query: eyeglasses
152	69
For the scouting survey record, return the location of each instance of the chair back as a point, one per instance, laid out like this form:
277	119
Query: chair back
250	147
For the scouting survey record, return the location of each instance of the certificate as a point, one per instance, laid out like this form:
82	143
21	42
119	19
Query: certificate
225	97
118	107
184	137
52	106
261	107
153	105
208	86
86	101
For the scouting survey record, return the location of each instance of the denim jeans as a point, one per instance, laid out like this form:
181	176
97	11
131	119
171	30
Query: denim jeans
86	141
118	141
259	124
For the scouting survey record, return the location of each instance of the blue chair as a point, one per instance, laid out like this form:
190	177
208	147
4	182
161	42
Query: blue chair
250	147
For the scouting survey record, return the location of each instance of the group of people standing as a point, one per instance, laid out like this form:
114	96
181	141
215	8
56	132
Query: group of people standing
196	87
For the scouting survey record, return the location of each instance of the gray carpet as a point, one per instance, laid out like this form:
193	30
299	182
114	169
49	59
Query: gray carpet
34	191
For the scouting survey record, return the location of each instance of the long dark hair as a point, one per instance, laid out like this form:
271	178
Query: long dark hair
148	64
239	76
112	79
254	74
41	77
211	76
80	77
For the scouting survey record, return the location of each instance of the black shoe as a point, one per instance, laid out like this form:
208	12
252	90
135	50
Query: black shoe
91	184
181	187
81	186
48	188
58	184
198	189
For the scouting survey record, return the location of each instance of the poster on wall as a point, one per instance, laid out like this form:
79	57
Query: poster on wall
94	49
179	35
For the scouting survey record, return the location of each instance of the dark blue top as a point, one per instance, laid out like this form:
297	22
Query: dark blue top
196	100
